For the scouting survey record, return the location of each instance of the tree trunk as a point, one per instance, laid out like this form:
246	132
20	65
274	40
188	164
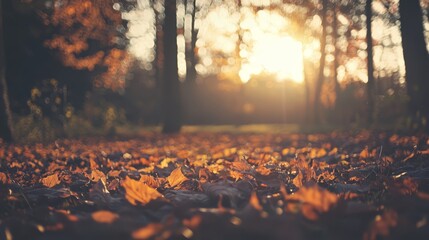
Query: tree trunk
336	64
191	58
158	64
321	77
171	93
6	130
370	63
308	110
416	58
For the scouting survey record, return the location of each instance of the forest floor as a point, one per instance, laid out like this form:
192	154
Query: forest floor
194	185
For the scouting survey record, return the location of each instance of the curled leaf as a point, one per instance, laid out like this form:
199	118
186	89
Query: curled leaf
138	192
176	177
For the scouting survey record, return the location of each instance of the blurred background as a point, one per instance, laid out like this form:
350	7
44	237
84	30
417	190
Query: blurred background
81	67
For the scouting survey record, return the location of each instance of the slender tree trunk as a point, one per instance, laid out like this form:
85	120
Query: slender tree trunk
158	64
191	58
321	77
370	62
336	63
6	130
171	94
416	58
308	109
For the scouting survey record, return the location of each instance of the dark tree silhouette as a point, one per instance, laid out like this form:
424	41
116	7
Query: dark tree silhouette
5	113
171	84
370	62
191	58
416	58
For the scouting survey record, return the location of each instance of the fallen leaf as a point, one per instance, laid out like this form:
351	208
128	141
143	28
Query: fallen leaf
364	154
314	200
297	181
149	180
236	175
3	178
136	191
176	177
51	180
254	202
147	231
104	216
241	166
97	175
263	170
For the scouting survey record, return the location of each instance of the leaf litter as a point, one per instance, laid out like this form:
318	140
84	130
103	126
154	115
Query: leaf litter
365	185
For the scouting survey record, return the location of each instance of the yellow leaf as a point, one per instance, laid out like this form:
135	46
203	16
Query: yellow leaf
104	216
51	180
136	191
176	177
147	231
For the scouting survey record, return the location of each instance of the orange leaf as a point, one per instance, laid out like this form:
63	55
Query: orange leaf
297	181
147	231
176	177
3	178
236	175
263	170
315	200
364	154
51	180
241	166
96	175
254	202
104	216
149	180
136	191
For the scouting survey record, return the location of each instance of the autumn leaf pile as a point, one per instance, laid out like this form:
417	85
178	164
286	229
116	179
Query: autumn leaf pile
364	185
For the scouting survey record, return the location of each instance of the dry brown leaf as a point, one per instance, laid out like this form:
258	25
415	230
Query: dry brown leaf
314	200
254	202
51	180
297	181
193	222
3	178
97	175
147	231
241	166
176	177
104	216
263	170
364	154
138	192
236	175
149	180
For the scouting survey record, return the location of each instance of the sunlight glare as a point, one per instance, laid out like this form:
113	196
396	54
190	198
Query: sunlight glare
274	54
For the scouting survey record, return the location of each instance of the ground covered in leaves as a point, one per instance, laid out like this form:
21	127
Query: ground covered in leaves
218	186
